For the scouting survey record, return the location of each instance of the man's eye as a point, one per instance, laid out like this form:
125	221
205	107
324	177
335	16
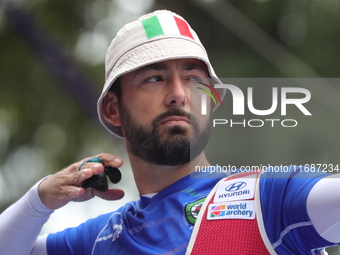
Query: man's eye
195	79
154	79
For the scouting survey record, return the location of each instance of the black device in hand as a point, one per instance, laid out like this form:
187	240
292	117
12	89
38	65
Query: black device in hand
99	182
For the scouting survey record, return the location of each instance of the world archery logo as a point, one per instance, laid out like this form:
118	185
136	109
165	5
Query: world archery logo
217	211
204	97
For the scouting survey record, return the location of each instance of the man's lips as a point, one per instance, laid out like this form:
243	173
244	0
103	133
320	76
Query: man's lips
175	120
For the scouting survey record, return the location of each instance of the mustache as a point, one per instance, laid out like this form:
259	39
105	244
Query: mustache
175	112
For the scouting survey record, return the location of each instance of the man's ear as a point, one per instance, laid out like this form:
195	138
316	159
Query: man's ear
111	109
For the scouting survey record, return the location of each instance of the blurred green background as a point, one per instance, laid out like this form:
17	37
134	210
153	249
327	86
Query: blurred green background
52	71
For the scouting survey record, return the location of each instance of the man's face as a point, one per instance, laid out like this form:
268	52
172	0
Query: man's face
156	118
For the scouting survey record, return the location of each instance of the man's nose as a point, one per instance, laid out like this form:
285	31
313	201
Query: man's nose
177	93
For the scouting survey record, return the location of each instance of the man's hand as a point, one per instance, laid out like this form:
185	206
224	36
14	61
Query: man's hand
65	186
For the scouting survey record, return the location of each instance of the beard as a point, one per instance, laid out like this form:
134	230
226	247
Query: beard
170	147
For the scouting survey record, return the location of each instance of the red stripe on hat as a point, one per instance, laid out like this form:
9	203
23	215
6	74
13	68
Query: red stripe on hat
183	27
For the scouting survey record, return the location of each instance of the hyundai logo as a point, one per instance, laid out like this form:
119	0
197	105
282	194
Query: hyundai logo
235	186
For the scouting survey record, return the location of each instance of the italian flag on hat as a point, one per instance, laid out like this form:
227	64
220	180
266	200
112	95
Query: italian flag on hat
165	24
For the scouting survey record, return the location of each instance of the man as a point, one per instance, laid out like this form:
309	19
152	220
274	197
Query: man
150	67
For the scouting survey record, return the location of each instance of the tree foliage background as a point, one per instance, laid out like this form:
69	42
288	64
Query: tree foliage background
52	71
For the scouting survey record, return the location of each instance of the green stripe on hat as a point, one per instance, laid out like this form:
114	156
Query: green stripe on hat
152	27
